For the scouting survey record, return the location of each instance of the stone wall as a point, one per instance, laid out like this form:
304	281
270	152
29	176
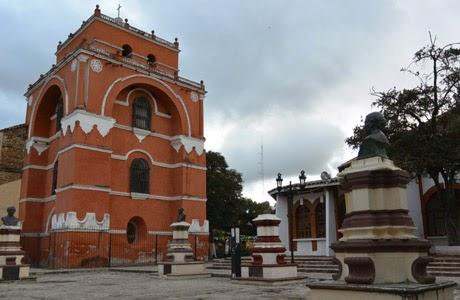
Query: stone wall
9	196
12	152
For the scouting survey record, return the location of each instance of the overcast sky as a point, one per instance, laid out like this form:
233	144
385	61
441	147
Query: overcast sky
294	76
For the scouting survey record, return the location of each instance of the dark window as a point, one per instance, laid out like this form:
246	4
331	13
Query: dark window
55	177
320	221
140	176
141	113
151	59
126	50
131	232
59	114
302	216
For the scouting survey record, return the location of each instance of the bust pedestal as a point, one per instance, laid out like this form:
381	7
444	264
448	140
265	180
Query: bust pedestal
268	264
11	254
379	250
179	260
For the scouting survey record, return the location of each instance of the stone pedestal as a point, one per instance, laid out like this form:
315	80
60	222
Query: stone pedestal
379	248
11	254
268	258
342	291
179	260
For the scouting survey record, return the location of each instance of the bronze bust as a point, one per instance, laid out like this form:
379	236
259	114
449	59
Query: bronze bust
375	142
10	219
180	215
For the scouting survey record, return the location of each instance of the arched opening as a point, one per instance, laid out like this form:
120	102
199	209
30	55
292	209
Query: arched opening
136	230
303	222
126	51
320	220
140	176
151	59
142	113
174	119
49	113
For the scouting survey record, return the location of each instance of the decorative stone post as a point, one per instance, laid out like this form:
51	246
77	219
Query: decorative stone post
379	254
268	255
11	254
180	260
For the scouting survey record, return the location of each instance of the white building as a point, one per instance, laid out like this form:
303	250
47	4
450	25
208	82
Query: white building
318	209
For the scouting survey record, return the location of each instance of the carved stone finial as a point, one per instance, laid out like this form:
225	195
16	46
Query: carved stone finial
97	11
180	215
375	142
10	219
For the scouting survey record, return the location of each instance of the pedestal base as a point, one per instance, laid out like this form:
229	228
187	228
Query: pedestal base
339	290
284	271
182	270
14	272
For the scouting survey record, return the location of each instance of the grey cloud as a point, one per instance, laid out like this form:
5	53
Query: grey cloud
291	142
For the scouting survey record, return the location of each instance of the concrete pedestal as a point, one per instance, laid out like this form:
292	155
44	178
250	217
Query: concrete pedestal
182	270
379	254
179	261
339	290
268	262
11	254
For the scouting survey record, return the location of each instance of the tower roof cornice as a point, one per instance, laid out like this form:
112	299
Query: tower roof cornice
120	24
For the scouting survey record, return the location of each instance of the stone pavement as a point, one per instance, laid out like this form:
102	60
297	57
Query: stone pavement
141	283
124	285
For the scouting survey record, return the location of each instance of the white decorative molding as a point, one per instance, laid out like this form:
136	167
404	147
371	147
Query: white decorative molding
40	143
87	121
139	196
84	187
70	147
189	144
96	65
202	97
151	133
70	221
194	96
117	231
140	133
38	200
196	228
83	57
114	156
160	233
30	100
73	65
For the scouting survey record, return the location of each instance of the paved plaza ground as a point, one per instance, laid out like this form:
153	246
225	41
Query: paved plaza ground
128	285
142	284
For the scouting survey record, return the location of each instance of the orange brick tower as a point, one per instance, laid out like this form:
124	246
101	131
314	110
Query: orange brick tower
114	148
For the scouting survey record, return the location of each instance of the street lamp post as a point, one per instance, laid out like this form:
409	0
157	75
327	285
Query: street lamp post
279	186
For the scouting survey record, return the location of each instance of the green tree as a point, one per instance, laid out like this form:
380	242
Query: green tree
226	207
424	124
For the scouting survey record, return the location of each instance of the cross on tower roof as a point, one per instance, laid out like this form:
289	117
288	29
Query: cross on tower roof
119	7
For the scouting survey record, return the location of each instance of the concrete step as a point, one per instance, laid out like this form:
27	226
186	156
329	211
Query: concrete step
319	267
445	274
444	268
317	270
